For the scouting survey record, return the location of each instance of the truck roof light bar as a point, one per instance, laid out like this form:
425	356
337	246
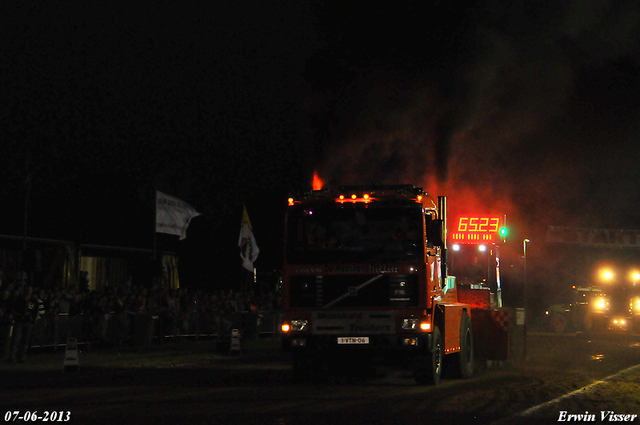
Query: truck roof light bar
363	194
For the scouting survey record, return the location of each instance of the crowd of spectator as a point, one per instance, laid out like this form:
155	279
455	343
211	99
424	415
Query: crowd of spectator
130	315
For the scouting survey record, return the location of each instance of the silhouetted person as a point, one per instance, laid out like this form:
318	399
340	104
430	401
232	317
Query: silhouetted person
25	313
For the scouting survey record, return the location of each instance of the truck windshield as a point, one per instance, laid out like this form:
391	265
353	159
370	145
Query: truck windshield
337	233
469	264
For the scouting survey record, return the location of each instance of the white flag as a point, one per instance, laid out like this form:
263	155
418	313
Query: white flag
248	248
173	215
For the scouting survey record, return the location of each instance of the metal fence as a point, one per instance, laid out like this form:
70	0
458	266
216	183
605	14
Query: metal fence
143	329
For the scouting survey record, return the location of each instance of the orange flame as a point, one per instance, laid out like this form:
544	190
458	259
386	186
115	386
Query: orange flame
317	182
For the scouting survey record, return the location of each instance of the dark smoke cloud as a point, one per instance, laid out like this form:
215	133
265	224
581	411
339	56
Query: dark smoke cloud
535	116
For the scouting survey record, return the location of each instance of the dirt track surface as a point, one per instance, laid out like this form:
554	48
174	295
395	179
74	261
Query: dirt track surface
257	388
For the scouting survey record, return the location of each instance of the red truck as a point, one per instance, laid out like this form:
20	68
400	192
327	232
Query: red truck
365	278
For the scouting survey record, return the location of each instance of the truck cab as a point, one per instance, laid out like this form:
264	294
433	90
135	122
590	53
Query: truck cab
365	277
586	311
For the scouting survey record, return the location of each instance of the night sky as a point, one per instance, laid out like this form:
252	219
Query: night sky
525	108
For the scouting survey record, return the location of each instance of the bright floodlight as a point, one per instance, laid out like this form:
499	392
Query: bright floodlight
607	274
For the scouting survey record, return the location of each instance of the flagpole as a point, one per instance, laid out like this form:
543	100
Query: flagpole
242	265
155	223
242	279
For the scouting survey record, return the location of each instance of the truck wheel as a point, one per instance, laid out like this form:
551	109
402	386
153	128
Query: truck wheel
587	323
558	322
599	324
428	369
462	363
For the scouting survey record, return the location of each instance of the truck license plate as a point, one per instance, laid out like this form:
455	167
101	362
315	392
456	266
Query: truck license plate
353	340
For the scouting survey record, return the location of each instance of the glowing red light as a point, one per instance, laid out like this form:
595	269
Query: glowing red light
317	182
479	224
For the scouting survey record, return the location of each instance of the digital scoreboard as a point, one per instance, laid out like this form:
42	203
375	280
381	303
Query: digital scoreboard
477	229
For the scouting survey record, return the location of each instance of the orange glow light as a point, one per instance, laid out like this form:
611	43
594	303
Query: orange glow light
290	200
285	327
317	182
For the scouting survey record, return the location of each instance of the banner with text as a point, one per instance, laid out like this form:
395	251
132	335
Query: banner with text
586	236
173	215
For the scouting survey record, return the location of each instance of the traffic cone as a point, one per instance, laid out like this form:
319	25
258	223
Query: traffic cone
235	342
71	362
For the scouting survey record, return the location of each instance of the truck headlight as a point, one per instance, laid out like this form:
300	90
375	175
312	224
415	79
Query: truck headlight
299	325
412	324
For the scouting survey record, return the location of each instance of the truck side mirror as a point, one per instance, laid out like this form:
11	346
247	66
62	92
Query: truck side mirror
435	232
